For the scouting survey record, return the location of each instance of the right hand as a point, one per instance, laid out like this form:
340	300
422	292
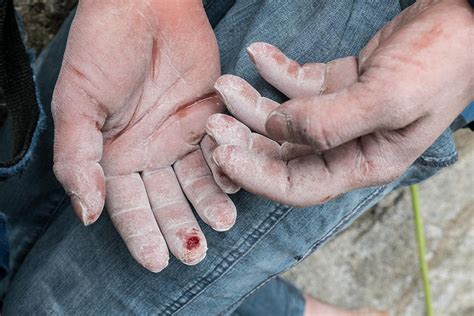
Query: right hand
130	107
353	122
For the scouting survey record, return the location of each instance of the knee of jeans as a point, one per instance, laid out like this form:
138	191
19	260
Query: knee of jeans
442	153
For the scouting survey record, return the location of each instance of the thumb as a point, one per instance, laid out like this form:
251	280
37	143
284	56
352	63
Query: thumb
78	148
327	121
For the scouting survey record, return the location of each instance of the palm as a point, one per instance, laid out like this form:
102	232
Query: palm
145	92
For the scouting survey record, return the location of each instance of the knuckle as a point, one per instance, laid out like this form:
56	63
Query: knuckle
318	135
389	173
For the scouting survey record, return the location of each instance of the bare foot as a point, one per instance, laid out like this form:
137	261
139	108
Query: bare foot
314	307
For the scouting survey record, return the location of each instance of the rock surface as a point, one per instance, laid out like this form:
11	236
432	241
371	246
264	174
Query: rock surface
374	263
42	19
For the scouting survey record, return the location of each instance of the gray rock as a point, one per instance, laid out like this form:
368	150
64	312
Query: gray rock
374	263
42	19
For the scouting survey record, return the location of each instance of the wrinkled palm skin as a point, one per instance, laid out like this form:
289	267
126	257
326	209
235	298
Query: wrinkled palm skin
133	96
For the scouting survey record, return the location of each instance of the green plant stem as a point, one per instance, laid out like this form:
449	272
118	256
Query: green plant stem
415	200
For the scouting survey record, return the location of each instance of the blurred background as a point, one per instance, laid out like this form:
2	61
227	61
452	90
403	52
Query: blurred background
374	263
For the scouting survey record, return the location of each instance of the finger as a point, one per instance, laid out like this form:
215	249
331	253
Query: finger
244	102
327	121
130	212
300	182
78	148
290	151
285	74
226	130
264	145
213	206
340	73
175	218
373	159
207	146
298	81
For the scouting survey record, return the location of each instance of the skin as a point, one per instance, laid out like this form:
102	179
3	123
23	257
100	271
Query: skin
314	307
130	107
354	122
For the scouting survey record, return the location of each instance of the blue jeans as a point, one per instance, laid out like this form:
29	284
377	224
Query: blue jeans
58	266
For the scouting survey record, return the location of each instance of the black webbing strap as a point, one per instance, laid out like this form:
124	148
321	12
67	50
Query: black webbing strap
406	3
17	89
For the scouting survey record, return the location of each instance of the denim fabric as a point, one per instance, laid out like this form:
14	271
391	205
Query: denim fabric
468	113
61	267
275	298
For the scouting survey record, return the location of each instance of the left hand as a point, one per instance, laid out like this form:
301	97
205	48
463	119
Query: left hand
357	123
129	108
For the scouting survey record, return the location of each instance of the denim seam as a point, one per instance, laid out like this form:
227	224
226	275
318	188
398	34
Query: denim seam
25	254
438	162
345	30
50	219
328	235
194	290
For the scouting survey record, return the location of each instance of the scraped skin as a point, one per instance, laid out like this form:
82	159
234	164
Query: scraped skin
130	108
412	80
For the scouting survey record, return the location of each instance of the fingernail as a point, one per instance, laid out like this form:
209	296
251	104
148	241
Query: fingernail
221	153
82	211
251	52
220	91
277	126
257	48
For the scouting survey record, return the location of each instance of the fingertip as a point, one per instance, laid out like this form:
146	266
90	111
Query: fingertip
194	249
225	129
222	154
228	186
222	82
258	48
86	214
154	258
221	216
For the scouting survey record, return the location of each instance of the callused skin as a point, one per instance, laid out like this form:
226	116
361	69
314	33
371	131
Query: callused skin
355	122
130	106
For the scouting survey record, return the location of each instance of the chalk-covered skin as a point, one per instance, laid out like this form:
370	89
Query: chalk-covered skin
359	122
130	107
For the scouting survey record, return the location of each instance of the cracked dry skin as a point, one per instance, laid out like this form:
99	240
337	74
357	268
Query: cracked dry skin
130	107
357	132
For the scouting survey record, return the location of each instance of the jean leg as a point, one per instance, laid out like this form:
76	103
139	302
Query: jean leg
30	198
277	298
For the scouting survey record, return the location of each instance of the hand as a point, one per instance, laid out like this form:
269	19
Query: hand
130	107
350	123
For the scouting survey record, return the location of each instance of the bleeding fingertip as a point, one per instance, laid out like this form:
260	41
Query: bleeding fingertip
195	250
277	126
